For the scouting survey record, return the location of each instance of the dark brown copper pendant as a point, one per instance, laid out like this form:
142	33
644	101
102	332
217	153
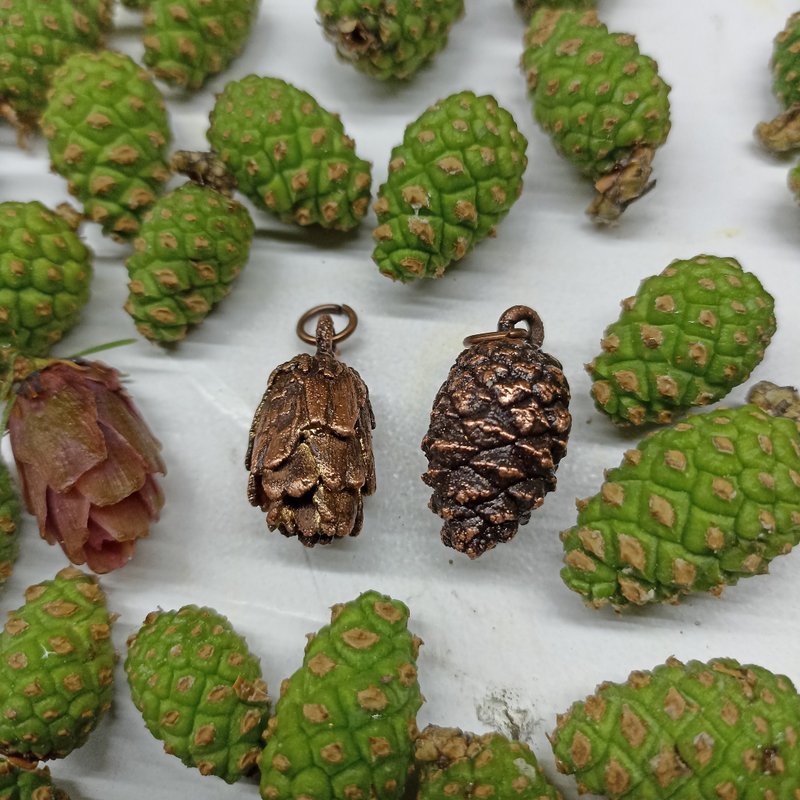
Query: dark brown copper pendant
310	450
499	427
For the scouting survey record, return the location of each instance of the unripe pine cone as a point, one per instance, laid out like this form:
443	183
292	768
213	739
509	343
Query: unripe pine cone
499	428
199	690
56	668
693	508
17	783
697	731
9	524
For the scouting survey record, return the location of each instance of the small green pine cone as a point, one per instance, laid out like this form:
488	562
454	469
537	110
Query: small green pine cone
199	690
289	155
108	132
783	133
453	765
455	176
346	722
191	246
56	668
9	522
37	36
388	40
27	784
701	731
189	41
600	100
693	508
688	337
45	273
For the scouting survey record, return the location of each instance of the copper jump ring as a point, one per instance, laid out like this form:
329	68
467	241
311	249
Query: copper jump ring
506	328
327	308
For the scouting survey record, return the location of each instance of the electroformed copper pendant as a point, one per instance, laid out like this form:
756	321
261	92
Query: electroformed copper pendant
499	427
310	450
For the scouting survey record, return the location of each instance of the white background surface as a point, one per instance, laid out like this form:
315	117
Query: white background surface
504	625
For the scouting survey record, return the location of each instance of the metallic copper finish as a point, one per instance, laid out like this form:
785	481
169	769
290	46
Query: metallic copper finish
499	428
327	308
310	447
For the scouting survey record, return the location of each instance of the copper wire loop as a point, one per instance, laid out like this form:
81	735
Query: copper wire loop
327	308
506	329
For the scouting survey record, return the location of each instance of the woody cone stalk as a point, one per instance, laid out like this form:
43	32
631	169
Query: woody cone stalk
86	459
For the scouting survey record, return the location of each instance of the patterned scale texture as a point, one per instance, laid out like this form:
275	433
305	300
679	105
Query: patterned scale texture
27	784
37	36
188	41
698	731
687	338
593	92
388	38
56	668
499	428
108	132
9	523
455	176
289	155
45	274
199	690
693	508
191	247
346	722
453	765
786	62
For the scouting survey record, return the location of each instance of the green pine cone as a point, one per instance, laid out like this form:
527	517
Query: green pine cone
191	246
453	765
693	508
388	39
601	101
688	337
783	133
715	731
37	36
56	668
188	41
346	721
9	523
27	784
45	274
108	132
199	690
289	155
456	175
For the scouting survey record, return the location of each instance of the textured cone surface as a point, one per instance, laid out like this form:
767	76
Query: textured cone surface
191	247
456	175
188	41
783	133
715	731
107	132
25	784
45	273
346	722
695	507
199	690
461	766
599	99
687	338
289	155
499	427
310	452
388	39
9	523
37	36
56	668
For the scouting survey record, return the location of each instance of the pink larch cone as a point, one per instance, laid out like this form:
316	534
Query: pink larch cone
86	462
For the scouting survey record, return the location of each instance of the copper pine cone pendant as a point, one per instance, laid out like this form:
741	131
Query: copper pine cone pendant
499	427
310	450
